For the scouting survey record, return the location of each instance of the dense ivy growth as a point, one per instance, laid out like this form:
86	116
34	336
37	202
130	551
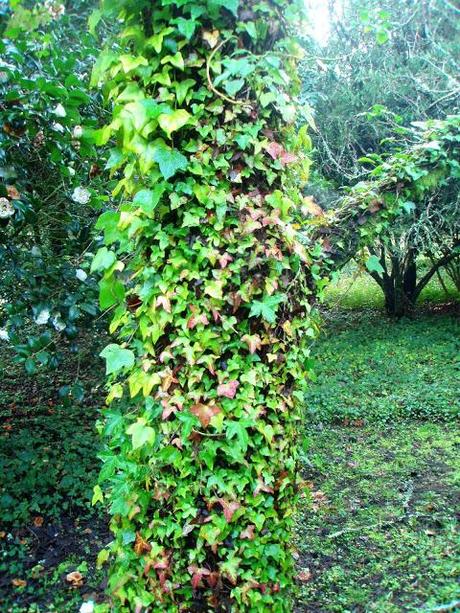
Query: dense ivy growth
205	272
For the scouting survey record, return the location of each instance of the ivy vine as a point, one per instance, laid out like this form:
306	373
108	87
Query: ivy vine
203	268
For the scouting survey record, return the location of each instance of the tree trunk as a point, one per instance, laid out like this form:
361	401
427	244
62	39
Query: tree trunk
212	310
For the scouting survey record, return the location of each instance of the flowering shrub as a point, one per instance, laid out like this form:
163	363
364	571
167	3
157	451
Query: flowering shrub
208	281
48	176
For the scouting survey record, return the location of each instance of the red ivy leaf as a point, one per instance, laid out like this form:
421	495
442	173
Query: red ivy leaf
228	389
205	412
229	508
197	574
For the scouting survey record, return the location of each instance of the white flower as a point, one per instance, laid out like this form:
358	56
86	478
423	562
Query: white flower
81	195
4	336
43	317
57	322
58	127
81	274
6	208
77	132
87	607
60	111
71	171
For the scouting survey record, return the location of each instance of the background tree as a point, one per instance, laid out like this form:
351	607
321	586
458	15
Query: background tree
386	65
423	183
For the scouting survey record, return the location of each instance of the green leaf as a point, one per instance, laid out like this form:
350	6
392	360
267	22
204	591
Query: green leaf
176	60
382	37
108	222
111	291
148	199
373	265
186	27
98	496
169	160
103	259
267	308
233	86
230	5
174	121
93	20
117	358
141	433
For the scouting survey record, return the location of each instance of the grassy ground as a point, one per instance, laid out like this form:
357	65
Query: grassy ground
377	526
379	529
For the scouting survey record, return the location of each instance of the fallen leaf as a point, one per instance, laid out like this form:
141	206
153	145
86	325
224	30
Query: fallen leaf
38	521
75	578
19	582
304	575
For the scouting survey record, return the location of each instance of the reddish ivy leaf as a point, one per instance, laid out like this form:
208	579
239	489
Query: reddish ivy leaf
228	389
229	508
248	533
197	574
254	342
205	412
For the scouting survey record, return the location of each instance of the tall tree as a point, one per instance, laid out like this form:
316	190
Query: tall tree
203	267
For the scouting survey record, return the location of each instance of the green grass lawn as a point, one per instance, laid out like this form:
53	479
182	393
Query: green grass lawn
376	530
355	289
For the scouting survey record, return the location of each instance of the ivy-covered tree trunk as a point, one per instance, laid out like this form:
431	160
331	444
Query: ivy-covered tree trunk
206	274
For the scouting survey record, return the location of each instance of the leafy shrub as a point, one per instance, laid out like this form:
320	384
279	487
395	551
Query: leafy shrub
50	188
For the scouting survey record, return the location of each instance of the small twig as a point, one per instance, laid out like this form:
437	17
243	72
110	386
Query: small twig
208	75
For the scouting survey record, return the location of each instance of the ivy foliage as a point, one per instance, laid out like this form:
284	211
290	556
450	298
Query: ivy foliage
207	278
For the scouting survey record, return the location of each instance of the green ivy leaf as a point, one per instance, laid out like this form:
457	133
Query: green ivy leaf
111	291
148	199
117	358
233	86
267	308
141	434
373	265
171	122
103	259
169	160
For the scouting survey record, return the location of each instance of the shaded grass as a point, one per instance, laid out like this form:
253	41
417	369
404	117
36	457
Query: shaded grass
376	369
